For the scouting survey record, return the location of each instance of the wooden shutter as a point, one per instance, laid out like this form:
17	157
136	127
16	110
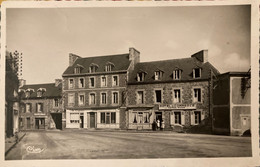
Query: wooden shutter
192	118
183	117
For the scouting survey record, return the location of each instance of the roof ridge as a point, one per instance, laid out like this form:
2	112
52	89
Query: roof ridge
164	60
103	56
39	84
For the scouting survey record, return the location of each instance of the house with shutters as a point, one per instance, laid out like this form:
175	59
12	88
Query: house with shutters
41	106
173	91
94	90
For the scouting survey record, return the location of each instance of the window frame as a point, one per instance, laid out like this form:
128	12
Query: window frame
140	76
84	99
54	103
79	82
175	72
113	82
113	102
101	98
155	97
194	98
107	117
103	84
30	107
178	122
137	97
73	83
90	99
38	108
194	72
73	99
90	83
180	95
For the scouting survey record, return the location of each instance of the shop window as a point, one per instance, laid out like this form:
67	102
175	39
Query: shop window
108	117
158	96
197	95
74	117
177	118
177	96
103	116
113	117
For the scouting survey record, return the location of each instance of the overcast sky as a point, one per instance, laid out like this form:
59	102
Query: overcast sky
47	36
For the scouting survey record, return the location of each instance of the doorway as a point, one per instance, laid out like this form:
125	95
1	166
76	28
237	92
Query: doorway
92	120
28	121
81	121
159	117
57	118
39	123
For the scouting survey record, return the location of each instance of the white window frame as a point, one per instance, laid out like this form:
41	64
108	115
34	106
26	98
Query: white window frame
155	99
194	73
103	84
138	97
179	112
95	100
28	109
81	103
90	86
39	107
113	82
175	72
113	97
101	98
79	83
194	99
73	83
108	67
158	75
140	76
174	99
73	99
54	102
93	69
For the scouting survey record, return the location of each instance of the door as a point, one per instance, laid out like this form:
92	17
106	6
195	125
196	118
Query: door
159	117
92	120
57	118
39	123
82	121
28	123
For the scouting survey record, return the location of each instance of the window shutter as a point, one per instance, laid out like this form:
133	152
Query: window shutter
202	115
183	117
192	118
172	118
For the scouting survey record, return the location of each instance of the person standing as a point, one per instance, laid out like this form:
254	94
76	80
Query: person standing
158	124
163	125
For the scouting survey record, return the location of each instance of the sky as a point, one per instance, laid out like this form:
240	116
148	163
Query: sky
47	36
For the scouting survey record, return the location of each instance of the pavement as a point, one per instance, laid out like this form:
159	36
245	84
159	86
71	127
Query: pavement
81	144
12	141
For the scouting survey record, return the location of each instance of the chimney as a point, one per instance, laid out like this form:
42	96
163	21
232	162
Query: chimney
134	55
58	82
72	58
22	82
201	56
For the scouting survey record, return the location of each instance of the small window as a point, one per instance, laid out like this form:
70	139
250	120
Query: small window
71	99
28	107
56	102
81	82
71	83
39	93
81	99
93	68
177	96
103	98
115	97
92	99
140	77
158	75
77	70
103	81
197	117
39	107
140	97
177	117
158	96
108	67
197	95
177	74
92	82
27	94
196	72
115	81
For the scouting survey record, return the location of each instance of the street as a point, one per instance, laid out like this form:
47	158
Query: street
83	144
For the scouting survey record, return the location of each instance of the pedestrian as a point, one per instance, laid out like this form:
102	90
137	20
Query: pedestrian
158	124
154	125
163	125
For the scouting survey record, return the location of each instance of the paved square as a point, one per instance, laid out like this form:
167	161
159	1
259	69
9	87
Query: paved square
82	144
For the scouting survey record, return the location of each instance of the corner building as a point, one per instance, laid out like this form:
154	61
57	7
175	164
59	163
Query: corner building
95	90
174	91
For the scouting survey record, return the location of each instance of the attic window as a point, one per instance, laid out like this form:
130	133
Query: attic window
158	75
109	66
177	74
196	72
140	76
28	92
77	70
39	93
93	68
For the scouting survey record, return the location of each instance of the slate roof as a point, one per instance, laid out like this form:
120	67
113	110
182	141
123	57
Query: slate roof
121	62
168	66
51	90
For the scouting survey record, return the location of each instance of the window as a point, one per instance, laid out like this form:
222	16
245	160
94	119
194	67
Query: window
115	81
140	117
177	117
177	74
39	93
91	82
177	96
81	82
74	118
197	95
103	81
108	117
81	99
71	83
196	72
115	97
56	102
197	117
140	77
140	97
71	99
158	96
39	107
93	68
77	70
108	67
103	98
92	99
158	75
28	107
27	94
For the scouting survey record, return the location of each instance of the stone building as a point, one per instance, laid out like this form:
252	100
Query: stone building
41	106
173	91
94	90
11	96
232	103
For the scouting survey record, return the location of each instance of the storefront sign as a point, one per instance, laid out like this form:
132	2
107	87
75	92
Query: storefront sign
39	114
177	106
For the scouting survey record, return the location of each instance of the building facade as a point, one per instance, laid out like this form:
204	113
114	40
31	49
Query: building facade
41	106
94	90
175	92
232	103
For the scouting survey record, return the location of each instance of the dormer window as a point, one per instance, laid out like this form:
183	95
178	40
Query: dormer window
28	92
40	92
109	66
140	77
93	68
177	74
78	69
196	72
158	75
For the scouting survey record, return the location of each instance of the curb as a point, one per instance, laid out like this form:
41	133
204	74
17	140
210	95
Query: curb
14	144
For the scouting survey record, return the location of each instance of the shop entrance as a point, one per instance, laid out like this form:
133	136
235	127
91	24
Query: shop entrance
159	117
81	121
39	123
57	118
92	120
